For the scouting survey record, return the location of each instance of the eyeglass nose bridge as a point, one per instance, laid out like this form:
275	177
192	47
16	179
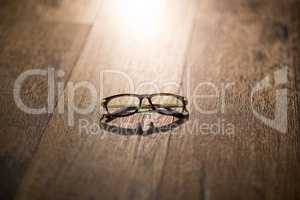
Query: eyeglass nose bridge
145	106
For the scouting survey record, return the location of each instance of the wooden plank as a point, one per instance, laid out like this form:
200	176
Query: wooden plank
29	42
240	43
79	11
218	42
108	166
76	11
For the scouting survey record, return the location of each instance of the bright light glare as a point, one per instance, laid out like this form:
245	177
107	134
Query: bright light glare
141	16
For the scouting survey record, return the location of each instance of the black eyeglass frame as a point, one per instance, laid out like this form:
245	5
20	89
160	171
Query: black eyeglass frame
184	101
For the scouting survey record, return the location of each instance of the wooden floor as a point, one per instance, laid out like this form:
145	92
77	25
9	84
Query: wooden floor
161	45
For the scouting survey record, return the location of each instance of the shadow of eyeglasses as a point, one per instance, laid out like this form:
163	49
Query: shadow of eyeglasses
104	124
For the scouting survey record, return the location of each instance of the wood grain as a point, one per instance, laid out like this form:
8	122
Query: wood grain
119	50
182	45
29	42
249	164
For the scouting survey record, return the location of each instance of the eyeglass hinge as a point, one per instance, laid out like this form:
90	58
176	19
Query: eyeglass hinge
185	100
103	101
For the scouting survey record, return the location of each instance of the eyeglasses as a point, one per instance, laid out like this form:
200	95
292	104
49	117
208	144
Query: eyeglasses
123	105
